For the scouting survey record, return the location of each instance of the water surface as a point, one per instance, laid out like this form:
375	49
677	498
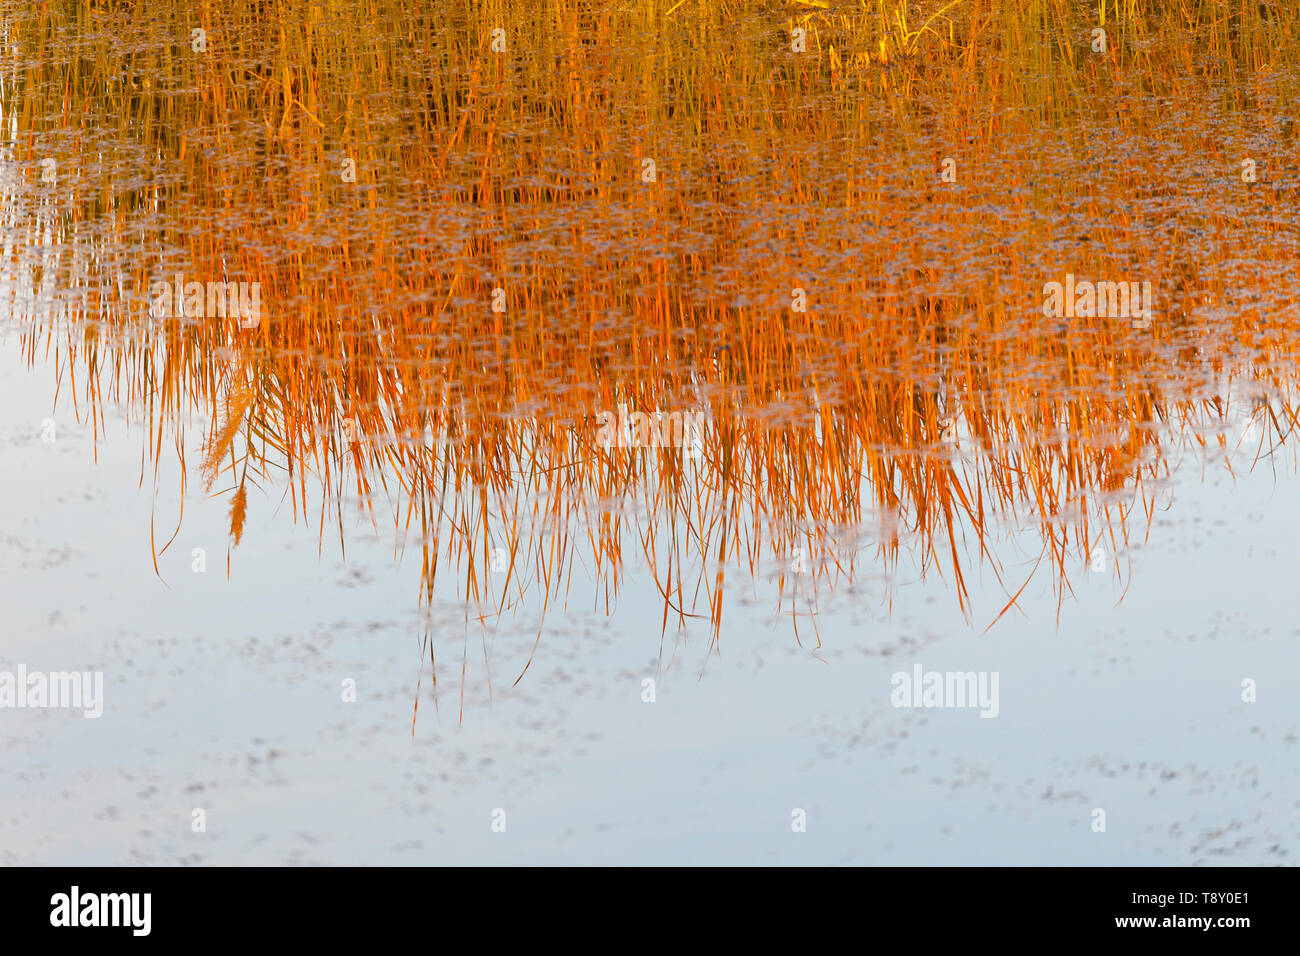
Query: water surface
395	479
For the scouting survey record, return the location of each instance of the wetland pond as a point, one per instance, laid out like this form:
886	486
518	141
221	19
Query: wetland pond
626	433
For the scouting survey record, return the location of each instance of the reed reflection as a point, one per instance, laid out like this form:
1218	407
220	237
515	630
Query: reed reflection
493	285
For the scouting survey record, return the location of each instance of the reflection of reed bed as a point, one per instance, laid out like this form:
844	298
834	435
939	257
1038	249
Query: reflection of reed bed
506	267
450	450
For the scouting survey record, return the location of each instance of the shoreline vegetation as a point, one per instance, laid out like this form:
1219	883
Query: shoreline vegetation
480	241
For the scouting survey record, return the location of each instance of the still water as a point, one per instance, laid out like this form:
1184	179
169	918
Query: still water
577	433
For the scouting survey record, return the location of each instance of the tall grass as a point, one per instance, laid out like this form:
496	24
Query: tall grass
524	171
